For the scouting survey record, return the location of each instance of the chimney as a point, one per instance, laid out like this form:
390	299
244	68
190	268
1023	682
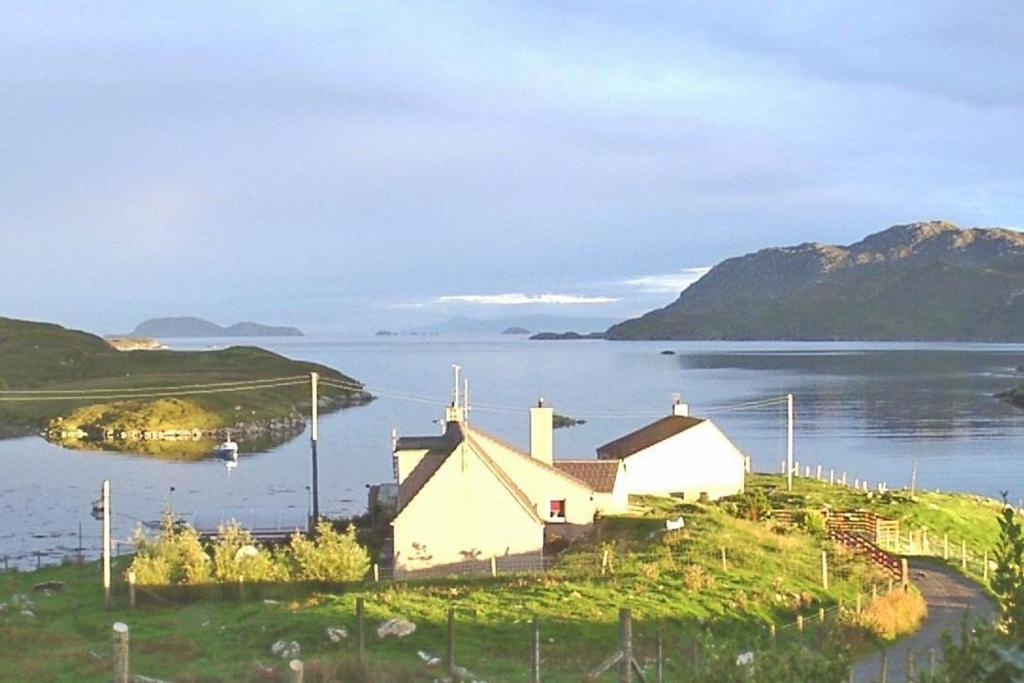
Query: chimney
453	413
541	427
680	409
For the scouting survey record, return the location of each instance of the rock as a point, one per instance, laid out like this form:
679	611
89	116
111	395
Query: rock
268	601
336	634
27	613
745	659
428	659
285	649
396	628
52	586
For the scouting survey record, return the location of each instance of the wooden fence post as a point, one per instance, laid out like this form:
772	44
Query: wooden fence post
800	623
884	674
625	644
725	562
659	672
984	570
963	555
818	475
535	653
450	656
945	546
295	672
494	567
831	476
904	574
120	653
821	615
824	570
361	632
604	562
771	630
376	573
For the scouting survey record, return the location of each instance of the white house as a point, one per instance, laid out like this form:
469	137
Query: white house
678	455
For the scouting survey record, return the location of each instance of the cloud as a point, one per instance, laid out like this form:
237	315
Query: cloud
671	282
520	299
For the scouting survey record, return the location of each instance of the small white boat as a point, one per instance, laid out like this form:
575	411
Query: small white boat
227	450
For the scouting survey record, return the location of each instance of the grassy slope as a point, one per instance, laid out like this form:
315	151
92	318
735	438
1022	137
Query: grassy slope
44	356
965	517
219	639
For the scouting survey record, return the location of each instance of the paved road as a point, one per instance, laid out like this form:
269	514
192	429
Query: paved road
948	594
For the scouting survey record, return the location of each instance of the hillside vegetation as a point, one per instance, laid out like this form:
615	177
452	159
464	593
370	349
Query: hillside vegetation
922	281
44	357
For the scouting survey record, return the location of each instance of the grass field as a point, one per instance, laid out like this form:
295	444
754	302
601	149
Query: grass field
213	634
43	357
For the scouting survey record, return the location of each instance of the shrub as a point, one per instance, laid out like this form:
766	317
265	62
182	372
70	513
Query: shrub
813	522
892	615
332	556
697	578
753	505
237	557
175	556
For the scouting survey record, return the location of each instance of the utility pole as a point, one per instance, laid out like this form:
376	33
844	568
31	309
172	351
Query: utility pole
789	442
314	437
105	502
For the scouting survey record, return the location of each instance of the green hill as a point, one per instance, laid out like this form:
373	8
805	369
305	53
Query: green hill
923	281
124	388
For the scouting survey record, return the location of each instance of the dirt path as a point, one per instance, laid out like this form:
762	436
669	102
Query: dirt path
948	594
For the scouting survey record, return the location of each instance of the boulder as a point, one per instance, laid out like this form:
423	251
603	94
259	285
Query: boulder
396	628
336	634
285	649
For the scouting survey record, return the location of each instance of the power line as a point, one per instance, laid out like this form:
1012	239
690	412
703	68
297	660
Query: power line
157	388
159	394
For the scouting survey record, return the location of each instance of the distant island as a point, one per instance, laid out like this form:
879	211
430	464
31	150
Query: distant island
500	325
197	327
928	281
515	330
566	336
89	394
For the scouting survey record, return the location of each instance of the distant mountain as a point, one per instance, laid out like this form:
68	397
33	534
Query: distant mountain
538	321
197	327
923	281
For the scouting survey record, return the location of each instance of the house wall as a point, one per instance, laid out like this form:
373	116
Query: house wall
700	459
542	484
406	461
463	513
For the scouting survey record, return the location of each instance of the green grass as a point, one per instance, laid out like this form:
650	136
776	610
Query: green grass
40	356
210	634
963	517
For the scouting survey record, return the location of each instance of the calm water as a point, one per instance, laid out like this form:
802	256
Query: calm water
867	409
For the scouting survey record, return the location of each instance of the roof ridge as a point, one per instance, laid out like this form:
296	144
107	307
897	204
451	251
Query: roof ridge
523	454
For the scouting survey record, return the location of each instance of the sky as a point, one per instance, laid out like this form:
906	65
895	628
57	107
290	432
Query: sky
346	166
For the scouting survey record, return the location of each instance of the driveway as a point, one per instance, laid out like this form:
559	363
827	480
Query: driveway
948	594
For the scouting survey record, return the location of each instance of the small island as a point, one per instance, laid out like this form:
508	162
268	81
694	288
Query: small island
87	394
198	327
566	336
515	330
562	421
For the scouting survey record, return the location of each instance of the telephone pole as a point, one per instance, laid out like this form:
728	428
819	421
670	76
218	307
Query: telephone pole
314	437
789	442
105	502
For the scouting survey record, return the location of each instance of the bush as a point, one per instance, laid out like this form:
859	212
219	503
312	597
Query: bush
697	578
237	557
753	505
813	522
175	556
333	556
892	615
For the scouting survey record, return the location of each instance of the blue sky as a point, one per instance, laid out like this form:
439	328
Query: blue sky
354	165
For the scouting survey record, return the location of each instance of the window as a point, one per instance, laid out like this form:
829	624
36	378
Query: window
556	513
